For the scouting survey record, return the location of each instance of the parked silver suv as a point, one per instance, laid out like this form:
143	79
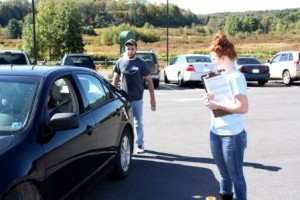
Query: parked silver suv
151	59
285	65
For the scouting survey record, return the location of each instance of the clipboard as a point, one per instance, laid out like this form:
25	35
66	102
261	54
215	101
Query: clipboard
217	112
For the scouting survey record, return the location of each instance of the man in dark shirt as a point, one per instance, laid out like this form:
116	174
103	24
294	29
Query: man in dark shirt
132	71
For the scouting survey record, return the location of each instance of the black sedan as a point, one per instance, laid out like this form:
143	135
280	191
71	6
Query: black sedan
61	129
253	70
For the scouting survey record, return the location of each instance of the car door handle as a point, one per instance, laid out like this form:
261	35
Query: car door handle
118	111
89	129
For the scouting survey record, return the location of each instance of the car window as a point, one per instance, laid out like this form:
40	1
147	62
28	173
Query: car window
178	60
284	57
196	59
276	58
243	61
14	91
147	56
95	91
290	58
78	60
63	94
15	58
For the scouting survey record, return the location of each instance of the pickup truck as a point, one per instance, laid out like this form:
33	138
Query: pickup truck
14	57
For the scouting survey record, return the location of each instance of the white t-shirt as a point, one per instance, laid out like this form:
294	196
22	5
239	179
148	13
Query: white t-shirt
231	124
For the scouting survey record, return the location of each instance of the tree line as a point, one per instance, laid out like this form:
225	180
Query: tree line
61	23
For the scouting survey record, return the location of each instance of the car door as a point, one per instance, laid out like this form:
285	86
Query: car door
275	66
106	111
70	154
174	69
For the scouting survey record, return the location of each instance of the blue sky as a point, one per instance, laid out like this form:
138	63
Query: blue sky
213	6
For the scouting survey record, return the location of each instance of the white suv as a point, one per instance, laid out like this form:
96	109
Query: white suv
285	65
14	57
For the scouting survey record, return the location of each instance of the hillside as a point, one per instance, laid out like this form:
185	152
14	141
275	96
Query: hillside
261	46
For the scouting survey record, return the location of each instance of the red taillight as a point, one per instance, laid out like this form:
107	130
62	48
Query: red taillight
267	69
158	68
190	68
297	65
243	69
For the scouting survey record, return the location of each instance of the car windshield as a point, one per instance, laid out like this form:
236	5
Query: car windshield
12	58
16	100
243	61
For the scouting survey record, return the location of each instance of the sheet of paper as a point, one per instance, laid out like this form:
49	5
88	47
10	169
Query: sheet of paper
218	86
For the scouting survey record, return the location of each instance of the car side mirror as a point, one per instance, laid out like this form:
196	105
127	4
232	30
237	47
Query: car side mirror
64	121
268	61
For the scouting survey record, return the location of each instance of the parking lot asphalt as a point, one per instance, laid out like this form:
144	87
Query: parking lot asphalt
178	164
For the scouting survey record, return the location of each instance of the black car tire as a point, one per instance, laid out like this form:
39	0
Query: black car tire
261	83
166	78
155	83
123	160
25	191
181	82
286	78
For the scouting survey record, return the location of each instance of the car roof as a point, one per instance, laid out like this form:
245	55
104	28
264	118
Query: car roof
78	54
193	54
144	51
37	70
245	57
12	51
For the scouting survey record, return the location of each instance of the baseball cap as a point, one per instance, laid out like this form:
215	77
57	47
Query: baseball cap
131	41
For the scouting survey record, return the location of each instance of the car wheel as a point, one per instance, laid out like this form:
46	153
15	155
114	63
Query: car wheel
286	77
261	83
181	82
123	160
156	83
25	191
166	78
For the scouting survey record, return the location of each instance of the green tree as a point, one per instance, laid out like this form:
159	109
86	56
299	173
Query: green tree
14	29
58	29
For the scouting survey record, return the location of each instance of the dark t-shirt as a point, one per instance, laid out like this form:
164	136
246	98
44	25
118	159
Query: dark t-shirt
132	72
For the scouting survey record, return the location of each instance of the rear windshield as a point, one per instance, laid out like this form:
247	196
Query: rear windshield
79	61
12	58
243	61
147	56
197	59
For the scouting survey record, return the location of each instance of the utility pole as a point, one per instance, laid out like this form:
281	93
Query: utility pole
167	32
34	33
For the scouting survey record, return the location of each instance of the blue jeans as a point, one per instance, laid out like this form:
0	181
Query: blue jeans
228	153
137	109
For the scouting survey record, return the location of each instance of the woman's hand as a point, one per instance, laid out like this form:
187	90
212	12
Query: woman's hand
208	101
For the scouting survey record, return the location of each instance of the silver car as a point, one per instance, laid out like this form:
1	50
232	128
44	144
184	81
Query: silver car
285	65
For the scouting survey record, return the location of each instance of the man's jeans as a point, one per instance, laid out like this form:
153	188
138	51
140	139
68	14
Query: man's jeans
228	153
137	108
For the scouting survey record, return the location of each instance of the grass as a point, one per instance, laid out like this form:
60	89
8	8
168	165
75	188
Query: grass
262	47
186	40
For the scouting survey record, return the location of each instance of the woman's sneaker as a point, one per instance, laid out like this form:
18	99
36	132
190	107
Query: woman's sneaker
140	149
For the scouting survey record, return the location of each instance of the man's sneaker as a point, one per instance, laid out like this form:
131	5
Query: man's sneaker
140	149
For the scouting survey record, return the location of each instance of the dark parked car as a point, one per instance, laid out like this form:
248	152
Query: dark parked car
253	70
60	129
79	59
14	57
151	60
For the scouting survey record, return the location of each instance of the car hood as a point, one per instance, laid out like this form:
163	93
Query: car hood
5	141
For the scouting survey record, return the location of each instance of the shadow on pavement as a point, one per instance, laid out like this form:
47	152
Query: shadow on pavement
156	180
158	176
